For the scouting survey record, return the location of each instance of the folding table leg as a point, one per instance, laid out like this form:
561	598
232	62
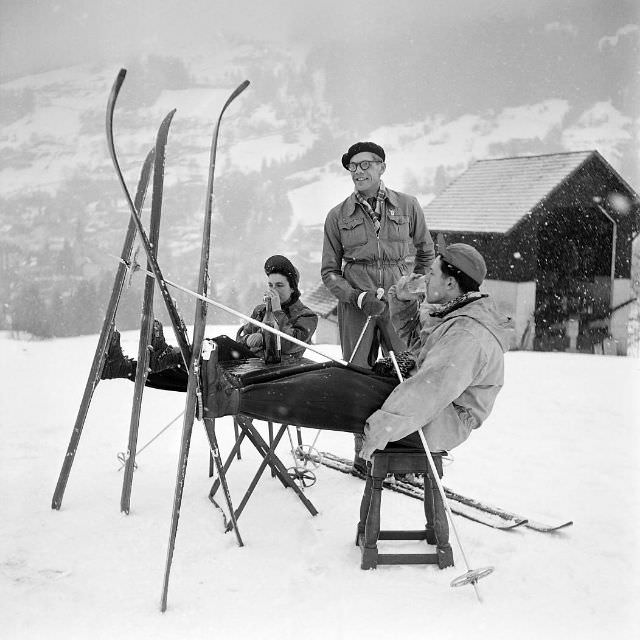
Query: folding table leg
270	426
273	460
236	432
254	482
236	447
209	424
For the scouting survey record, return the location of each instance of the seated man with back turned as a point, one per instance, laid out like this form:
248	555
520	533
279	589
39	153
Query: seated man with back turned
457	339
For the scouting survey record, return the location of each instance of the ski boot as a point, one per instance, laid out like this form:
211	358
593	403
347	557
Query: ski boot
163	356
116	364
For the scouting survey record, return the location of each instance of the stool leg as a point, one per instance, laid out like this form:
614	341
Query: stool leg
440	524
364	504
429	511
372	527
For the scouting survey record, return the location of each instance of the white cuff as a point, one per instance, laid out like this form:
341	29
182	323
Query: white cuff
361	298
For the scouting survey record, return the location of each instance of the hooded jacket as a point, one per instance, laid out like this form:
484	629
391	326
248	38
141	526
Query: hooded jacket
459	372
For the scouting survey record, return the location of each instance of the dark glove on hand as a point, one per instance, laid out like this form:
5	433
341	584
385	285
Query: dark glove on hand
371	305
384	367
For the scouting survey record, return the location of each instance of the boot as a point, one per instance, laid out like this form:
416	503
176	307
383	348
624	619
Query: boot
223	398
116	364
163	356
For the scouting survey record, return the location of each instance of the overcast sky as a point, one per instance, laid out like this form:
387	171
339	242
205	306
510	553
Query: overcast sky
43	34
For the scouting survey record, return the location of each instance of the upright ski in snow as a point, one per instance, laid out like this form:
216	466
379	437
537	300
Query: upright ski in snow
105	336
194	393
146	323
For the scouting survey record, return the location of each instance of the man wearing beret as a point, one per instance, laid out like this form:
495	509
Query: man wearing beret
367	239
457	338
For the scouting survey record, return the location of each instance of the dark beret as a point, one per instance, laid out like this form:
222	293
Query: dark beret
359	147
283	266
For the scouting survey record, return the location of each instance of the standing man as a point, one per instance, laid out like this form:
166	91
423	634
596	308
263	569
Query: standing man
367	239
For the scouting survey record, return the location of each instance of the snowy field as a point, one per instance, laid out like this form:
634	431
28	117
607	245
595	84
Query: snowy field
562	443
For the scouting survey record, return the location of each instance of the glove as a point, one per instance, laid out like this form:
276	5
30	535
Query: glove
254	340
370	304
384	367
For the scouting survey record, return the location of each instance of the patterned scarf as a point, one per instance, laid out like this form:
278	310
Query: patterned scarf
374	214
458	302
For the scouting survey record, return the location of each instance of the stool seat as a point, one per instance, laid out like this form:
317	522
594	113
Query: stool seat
402	460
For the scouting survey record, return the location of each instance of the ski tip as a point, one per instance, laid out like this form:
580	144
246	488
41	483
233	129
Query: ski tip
548	528
238	90
164	125
117	85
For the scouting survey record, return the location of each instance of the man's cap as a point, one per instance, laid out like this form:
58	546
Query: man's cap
467	259
359	147
283	266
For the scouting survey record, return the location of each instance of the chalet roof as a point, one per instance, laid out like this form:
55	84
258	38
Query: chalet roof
492	196
320	300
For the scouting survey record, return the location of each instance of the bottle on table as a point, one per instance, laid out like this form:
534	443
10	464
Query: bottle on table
271	341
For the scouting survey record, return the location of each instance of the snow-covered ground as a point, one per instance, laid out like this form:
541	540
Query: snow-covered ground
562	443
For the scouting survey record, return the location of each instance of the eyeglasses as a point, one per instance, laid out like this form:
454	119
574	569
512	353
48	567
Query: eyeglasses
364	165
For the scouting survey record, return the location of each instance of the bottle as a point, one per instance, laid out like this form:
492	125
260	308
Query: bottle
271	341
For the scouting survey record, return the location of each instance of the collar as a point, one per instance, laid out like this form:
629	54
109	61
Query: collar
458	302
390	196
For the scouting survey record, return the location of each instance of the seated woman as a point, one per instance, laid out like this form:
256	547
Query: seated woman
167	369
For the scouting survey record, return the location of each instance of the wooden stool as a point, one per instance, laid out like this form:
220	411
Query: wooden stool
436	532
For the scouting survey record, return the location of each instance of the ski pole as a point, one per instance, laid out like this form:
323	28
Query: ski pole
121	455
379	294
364	329
472	575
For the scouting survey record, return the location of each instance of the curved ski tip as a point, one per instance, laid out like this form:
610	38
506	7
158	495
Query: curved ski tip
115	89
239	89
168	118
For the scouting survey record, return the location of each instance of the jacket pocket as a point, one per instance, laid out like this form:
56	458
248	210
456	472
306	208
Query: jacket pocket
353	232
398	228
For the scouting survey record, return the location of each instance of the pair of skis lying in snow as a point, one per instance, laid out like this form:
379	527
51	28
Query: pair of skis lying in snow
461	505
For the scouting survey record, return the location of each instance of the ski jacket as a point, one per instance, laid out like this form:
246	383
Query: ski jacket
459	372
369	261
294	319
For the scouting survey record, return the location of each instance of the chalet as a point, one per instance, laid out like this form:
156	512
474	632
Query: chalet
556	231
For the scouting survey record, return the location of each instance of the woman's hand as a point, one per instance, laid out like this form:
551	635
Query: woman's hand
275	299
254	341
